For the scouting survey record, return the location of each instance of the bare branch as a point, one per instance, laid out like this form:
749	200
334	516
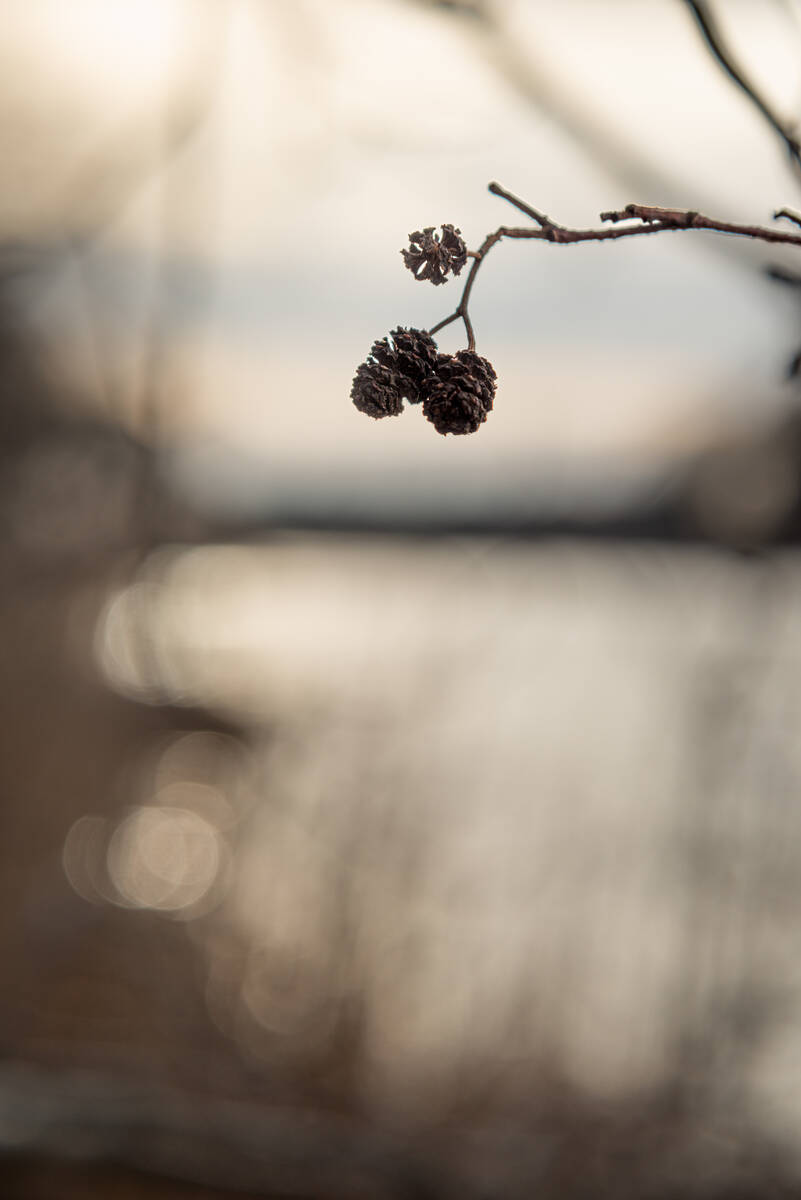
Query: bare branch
782	275
537	80
539	217
658	219
446	321
788	214
649	219
716	44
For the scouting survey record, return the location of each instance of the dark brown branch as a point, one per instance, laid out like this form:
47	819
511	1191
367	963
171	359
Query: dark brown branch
650	220
478	257
658	219
539	217
782	275
788	215
537	82
720	51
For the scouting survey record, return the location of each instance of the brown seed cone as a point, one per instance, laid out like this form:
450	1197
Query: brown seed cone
462	393
432	257
412	355
377	391
398	366
482	368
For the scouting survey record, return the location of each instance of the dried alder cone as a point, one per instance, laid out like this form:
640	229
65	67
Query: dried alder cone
456	390
376	390
394	370
431	257
412	356
461	394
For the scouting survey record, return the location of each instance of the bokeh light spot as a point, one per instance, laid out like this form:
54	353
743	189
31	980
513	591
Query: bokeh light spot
164	858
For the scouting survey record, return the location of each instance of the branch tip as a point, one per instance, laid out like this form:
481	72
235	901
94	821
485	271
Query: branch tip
788	215
543	221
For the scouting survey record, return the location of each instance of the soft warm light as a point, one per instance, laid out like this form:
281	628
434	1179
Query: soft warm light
124	645
131	43
164	858
83	858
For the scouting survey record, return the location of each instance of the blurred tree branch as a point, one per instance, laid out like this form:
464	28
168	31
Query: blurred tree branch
535	82
723	55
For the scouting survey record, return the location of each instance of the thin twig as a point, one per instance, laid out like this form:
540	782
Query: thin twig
782	275
788	215
478	257
650	220
539	217
721	52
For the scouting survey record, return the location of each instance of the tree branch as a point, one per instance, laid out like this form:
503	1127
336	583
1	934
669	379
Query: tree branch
650	220
722	54
788	214
539	217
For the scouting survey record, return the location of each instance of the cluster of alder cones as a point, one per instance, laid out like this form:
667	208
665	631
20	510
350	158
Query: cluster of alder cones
456	390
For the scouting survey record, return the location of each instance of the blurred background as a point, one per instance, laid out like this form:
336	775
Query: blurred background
386	814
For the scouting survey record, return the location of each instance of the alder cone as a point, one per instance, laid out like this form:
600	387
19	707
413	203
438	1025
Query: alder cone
399	366
432	257
462	393
412	355
483	370
377	391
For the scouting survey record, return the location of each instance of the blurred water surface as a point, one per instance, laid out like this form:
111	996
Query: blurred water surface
520	808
